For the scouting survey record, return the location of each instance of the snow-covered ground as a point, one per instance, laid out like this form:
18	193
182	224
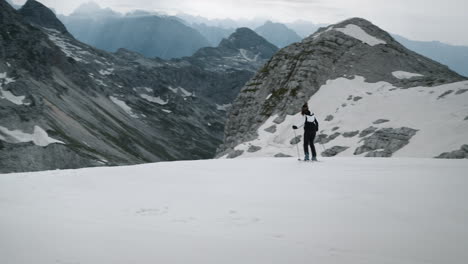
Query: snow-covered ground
437	113
251	210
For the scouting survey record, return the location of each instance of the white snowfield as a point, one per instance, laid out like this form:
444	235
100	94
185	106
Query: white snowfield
259	210
7	95
153	99
127	109
223	107
438	118
67	48
358	33
405	75
183	92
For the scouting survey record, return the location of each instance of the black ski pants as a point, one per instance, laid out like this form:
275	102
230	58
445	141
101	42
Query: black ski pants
309	137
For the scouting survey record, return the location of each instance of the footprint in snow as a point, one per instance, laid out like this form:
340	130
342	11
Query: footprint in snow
152	211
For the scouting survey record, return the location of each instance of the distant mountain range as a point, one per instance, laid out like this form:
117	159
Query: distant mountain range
456	57
145	33
278	34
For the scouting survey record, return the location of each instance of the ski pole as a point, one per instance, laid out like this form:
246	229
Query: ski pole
297	147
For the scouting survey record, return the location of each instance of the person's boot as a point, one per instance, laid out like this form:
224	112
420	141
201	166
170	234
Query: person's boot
306	157
314	158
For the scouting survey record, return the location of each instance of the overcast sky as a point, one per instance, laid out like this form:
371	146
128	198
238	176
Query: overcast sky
445	21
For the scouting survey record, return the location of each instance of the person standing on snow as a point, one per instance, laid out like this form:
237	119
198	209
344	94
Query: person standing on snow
310	129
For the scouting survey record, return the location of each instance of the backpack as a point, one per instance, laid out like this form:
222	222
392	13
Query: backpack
311	124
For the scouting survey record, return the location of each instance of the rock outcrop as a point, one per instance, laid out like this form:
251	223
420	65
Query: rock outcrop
461	153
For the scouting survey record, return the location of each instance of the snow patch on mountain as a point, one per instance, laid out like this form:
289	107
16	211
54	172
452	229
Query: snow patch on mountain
106	72
4	94
183	92
153	99
405	75
124	106
223	107
69	49
244	55
39	137
358	33
418	108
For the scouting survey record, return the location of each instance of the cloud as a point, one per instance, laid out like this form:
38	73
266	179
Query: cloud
416	19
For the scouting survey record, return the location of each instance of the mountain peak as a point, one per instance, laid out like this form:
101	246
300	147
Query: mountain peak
88	7
38	14
245	38
357	28
278	34
91	8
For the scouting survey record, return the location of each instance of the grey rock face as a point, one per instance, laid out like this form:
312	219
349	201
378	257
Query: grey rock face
461	153
296	72
384	142
295	140
380	121
254	148
279	119
367	131
271	129
324	138
351	134
379	154
333	151
235	154
282	155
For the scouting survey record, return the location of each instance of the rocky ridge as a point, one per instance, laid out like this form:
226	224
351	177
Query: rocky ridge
355	62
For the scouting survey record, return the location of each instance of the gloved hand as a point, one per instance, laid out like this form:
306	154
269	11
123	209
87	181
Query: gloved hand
294	127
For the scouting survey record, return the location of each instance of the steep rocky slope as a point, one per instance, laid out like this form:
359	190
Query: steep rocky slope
372	96
64	104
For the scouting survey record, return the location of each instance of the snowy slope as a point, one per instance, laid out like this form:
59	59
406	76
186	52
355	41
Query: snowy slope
264	210
437	113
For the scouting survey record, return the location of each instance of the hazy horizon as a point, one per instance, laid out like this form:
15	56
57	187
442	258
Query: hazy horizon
439	21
